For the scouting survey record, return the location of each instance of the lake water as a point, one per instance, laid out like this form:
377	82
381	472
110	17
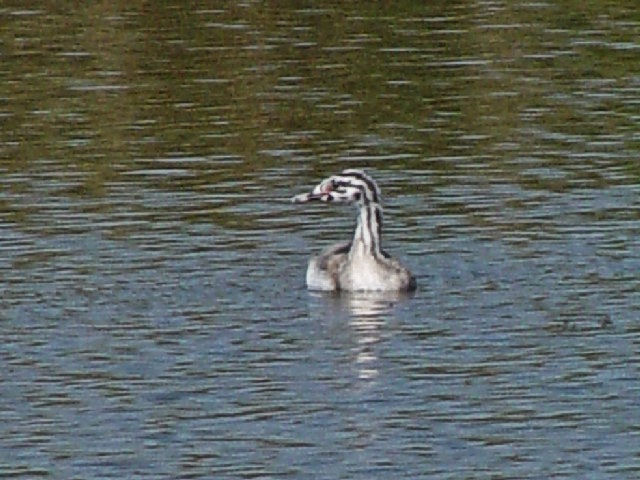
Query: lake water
154	318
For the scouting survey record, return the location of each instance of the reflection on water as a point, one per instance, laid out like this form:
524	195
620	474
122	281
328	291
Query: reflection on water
365	313
362	305
154	318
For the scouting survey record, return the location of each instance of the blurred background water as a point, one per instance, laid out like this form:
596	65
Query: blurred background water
154	320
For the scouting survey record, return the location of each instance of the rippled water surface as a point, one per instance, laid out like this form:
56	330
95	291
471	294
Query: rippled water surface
154	318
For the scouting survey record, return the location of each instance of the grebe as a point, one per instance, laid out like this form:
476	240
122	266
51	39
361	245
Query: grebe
361	264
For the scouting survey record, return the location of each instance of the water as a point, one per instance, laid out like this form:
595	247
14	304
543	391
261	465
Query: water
154	318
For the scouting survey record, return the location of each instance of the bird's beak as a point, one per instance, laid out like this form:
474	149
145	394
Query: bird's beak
319	193
305	197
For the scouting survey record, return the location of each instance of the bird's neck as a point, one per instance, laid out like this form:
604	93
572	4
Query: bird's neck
368	235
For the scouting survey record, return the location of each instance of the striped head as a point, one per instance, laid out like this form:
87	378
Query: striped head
351	186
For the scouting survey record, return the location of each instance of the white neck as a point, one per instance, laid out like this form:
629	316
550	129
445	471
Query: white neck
368	235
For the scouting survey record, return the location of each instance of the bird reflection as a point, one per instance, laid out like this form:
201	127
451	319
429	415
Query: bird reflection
367	313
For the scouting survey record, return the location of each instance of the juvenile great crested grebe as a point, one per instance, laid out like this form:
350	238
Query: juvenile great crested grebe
360	264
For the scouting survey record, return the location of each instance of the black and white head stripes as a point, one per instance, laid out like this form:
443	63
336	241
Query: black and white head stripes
357	181
351	186
360	264
354	186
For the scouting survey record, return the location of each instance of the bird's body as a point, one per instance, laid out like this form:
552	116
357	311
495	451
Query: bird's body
361	264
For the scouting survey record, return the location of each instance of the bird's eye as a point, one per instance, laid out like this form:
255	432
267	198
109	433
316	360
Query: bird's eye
338	186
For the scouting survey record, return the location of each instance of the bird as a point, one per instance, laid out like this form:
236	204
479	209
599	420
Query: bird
360	264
